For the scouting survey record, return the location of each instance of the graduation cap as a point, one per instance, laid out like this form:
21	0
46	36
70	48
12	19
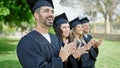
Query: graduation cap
74	22
84	20
60	19
34	4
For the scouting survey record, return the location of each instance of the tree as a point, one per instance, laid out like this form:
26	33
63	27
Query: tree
106	7
18	14
4	11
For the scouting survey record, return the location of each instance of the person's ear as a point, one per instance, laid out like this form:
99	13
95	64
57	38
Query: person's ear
36	15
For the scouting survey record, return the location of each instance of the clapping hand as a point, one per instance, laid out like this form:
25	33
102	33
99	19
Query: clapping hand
67	50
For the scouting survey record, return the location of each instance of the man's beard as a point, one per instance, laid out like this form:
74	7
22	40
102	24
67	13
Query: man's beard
46	22
49	24
86	31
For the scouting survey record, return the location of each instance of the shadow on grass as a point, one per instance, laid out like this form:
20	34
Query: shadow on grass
10	64
7	51
7	44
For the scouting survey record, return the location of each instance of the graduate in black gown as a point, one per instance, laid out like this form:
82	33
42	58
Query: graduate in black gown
88	59
39	48
62	30
77	33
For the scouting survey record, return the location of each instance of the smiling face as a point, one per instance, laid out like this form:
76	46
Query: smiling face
65	28
86	28
78	29
45	16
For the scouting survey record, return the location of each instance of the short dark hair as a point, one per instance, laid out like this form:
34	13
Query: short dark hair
37	10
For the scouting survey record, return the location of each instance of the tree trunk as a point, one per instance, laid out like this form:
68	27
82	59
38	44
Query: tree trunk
107	25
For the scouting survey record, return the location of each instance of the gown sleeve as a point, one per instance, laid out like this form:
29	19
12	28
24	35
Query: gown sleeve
30	56
72	62
93	53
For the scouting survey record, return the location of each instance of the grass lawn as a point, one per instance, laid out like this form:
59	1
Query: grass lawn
108	54
8	58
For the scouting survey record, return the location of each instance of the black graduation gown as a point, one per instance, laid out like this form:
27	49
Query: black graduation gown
87	60
34	51
93	51
72	62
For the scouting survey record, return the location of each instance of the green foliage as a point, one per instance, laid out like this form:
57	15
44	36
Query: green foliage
19	12
8	30
51	30
1	27
4	12
15	12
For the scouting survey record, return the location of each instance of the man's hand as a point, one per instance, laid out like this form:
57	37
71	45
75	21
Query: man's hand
97	43
92	42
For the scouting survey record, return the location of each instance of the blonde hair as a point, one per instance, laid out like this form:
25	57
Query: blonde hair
72	34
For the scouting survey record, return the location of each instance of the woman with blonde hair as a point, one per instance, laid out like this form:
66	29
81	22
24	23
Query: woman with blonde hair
82	46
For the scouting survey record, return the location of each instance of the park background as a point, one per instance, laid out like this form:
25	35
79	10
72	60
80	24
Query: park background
16	20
